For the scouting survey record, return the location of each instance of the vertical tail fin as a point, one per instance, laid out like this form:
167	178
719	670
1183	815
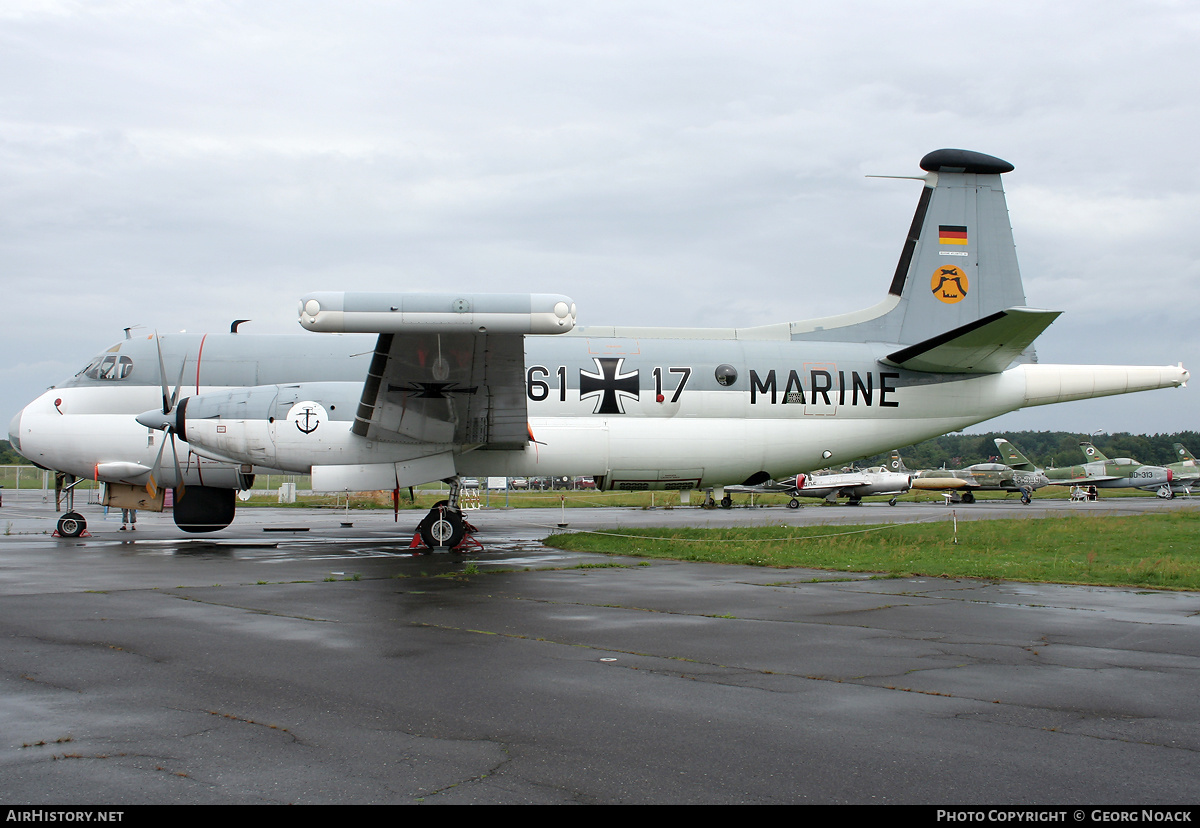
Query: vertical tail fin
1013	458
1091	452
1182	455
896	462
962	266
958	265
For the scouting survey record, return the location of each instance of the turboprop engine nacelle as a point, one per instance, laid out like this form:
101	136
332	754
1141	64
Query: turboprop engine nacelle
287	427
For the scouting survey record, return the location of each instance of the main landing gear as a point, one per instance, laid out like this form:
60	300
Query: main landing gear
71	524
445	528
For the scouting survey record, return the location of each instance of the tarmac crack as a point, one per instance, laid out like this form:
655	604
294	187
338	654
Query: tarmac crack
694	676
477	778
255	610
1074	723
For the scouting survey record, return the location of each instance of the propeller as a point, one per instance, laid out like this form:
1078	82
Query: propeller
164	421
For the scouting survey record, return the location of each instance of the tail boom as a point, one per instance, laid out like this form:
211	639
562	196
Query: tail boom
1047	384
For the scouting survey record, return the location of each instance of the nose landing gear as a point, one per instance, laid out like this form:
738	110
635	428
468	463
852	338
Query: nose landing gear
71	524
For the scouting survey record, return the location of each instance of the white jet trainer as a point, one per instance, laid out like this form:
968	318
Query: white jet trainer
507	385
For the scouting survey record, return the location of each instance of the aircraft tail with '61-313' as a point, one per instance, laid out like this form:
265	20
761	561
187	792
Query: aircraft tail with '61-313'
508	385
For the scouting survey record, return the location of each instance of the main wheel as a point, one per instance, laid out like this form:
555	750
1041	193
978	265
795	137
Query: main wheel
968	497
727	502
71	525
793	503
442	528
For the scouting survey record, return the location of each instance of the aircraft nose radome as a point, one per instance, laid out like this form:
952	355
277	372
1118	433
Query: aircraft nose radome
14	431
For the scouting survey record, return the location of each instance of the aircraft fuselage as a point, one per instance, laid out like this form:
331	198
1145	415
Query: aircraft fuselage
636	411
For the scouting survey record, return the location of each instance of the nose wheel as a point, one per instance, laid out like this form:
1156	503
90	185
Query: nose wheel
71	524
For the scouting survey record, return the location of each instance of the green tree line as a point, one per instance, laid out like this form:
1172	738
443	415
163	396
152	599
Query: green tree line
1044	448
9	456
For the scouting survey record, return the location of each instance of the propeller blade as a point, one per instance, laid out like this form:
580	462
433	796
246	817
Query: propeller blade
178	384
162	377
179	487
155	471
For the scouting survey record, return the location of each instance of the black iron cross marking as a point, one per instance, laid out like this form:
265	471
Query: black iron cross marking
608	383
434	390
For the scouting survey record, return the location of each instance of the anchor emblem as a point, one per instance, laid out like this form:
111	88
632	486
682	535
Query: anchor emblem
307	416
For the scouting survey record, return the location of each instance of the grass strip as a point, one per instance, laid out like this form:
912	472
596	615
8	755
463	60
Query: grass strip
1160	551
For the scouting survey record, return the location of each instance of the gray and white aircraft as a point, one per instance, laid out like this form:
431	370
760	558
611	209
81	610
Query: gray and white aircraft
854	485
482	385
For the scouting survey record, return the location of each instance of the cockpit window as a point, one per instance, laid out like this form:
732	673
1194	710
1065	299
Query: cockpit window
108	367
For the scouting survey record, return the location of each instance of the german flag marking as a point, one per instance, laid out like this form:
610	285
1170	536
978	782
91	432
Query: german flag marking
952	234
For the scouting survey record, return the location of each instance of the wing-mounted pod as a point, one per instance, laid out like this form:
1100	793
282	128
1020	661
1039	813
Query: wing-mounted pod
406	313
447	368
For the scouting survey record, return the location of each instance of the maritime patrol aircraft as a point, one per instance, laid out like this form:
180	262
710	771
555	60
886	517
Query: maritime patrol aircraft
854	485
980	477
459	385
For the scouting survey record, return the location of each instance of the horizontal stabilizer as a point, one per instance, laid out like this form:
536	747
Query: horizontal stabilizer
986	346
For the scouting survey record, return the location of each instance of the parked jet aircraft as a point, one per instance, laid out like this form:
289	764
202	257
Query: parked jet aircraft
507	386
1182	476
980	477
1100	472
1118	473
854	485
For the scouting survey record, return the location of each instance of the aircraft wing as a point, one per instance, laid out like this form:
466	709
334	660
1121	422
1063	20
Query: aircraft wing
446	388
447	368
762	488
1076	481
985	346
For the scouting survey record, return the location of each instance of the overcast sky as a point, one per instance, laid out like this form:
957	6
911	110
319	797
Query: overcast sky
176	165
